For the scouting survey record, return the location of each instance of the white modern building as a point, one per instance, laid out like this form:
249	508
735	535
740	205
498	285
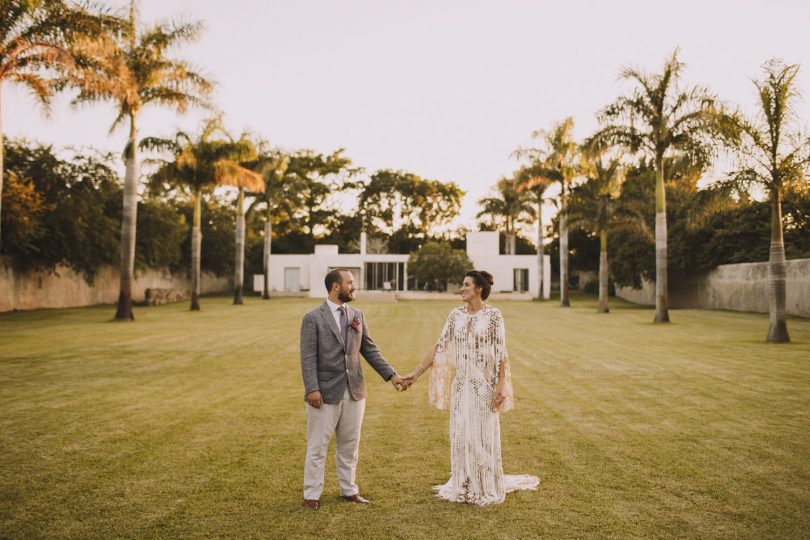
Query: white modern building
385	272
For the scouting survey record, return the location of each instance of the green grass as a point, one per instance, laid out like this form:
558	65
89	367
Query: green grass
192	424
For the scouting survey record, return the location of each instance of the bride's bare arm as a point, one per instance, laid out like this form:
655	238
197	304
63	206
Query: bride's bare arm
421	368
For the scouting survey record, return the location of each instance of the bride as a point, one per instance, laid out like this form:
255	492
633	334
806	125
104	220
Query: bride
471	377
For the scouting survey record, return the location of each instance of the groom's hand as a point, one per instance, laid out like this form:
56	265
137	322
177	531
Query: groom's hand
314	399
398	383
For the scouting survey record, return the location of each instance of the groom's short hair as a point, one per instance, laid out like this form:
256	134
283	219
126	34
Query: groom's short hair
334	276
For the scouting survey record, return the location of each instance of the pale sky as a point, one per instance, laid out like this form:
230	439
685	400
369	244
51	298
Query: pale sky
445	89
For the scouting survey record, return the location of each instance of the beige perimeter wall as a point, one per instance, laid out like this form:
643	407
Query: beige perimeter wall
65	288
735	287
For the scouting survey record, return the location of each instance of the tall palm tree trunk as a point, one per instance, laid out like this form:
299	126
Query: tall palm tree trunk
603	272
129	223
509	237
777	330
196	251
239	265
268	239
564	302
510	243
661	293
540	252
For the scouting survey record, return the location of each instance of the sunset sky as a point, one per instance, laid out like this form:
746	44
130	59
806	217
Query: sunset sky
444	89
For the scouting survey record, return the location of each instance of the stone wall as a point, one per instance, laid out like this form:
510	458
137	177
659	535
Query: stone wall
65	288
735	287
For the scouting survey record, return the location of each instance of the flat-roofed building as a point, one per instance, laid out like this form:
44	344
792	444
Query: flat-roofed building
389	272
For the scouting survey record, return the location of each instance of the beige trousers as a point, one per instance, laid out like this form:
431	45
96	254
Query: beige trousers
344	420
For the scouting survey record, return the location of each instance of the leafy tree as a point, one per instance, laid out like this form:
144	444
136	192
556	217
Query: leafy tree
310	181
299	189
345	229
660	120
741	233
216	232
406	240
66	211
508	207
63	211
583	247
24	216
556	162
775	156
437	264
163	228
35	38
132	70
394	201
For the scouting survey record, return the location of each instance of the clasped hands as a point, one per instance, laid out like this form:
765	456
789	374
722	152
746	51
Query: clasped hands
410	378
315	399
400	383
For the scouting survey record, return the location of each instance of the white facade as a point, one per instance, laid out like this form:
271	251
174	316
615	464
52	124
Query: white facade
293	273
482	249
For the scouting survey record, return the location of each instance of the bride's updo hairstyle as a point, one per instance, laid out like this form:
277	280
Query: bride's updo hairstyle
482	279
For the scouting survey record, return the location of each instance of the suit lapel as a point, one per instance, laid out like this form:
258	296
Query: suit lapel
330	321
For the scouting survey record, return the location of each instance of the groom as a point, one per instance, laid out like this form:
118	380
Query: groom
333	336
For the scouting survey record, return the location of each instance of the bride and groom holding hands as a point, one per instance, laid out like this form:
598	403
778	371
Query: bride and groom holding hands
469	376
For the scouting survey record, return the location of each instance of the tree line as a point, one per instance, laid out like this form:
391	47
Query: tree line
52	45
635	181
633	184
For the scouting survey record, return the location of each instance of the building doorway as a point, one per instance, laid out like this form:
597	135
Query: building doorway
292	279
521	280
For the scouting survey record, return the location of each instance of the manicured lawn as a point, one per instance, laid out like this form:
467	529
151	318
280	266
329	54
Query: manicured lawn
192	425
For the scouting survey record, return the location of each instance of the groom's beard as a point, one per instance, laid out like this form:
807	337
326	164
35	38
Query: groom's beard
346	296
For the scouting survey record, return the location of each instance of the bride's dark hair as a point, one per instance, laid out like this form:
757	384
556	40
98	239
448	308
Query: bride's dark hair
482	279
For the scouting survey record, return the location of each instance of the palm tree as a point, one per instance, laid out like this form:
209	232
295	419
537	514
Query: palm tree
35	38
556	161
232	172
660	119
198	166
594	204
534	179
133	71
776	156
273	169
509	207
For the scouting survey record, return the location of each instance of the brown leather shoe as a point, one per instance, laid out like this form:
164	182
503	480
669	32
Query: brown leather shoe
356	498
312	504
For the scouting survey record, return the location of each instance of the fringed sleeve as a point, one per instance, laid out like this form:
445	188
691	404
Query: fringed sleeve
501	357
443	368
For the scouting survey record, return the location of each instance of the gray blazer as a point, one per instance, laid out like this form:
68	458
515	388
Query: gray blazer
328	364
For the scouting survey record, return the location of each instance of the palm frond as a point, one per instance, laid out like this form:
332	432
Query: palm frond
230	173
41	89
163	35
160	144
712	201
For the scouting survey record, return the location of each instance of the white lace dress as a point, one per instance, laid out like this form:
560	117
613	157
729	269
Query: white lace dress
463	378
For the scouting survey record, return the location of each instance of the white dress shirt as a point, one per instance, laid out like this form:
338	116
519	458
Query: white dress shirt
335	308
